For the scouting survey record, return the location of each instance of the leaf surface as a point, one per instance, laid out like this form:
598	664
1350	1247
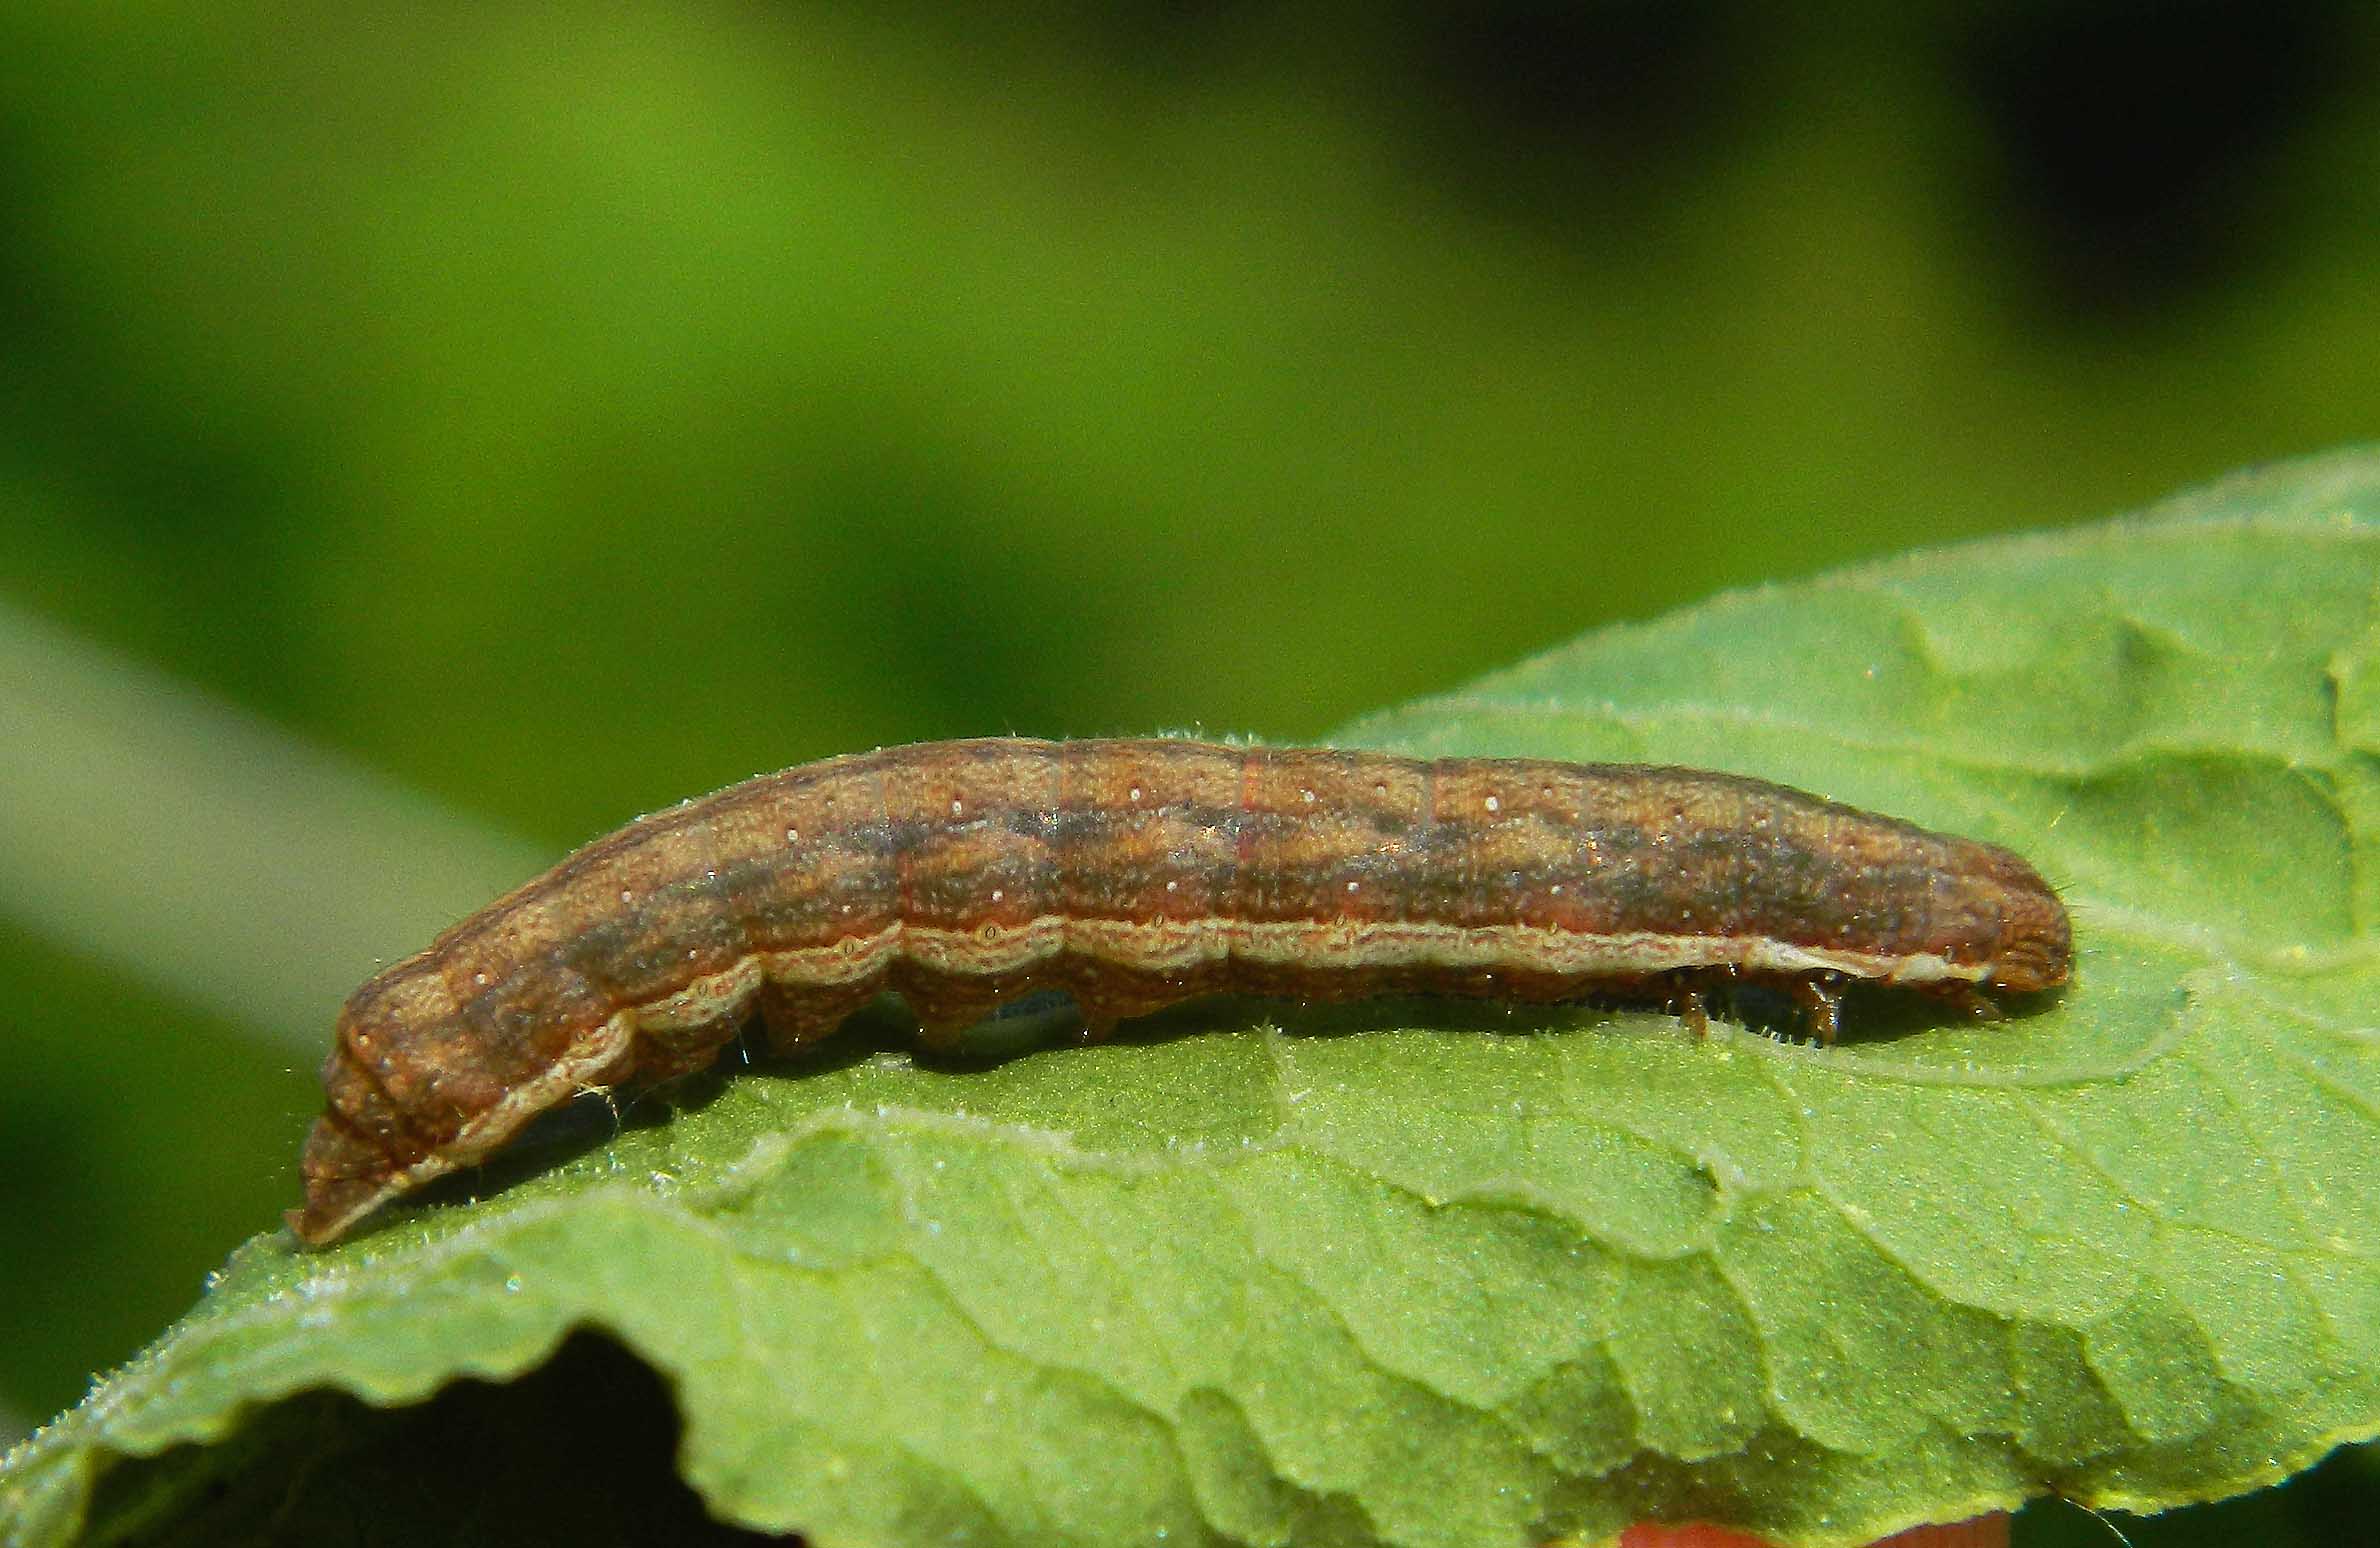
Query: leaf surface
1418	1273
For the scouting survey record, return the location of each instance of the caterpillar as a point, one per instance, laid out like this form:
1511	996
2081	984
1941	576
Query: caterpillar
1135	874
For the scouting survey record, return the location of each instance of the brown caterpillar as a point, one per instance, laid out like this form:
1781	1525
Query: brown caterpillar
1135	874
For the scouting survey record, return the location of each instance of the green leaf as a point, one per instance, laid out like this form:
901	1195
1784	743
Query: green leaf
1416	1273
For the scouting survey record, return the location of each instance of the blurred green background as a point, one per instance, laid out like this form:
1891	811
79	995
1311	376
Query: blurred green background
433	434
